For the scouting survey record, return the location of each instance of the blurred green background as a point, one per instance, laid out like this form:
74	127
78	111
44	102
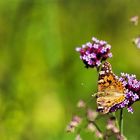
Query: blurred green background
41	75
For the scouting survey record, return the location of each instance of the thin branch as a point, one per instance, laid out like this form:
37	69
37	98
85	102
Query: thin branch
121	122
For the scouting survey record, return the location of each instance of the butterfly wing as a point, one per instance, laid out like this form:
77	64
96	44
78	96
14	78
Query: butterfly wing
110	89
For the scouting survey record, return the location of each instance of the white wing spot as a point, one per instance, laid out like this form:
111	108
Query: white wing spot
107	71
102	72
101	81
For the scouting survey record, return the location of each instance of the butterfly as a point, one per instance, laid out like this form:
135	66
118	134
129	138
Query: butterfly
110	90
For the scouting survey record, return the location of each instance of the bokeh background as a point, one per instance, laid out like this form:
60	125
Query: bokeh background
41	75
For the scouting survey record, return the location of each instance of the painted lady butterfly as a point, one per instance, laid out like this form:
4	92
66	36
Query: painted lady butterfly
110	90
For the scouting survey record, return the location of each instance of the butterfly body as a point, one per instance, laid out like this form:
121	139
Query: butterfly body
110	90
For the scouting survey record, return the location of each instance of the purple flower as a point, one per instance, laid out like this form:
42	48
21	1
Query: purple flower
132	93
130	109
93	53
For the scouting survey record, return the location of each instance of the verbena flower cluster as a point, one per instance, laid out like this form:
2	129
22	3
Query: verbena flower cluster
132	93
93	53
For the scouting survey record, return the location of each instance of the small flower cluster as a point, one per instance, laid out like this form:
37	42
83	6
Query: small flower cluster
81	104
91	126
93	53
76	120
132	93
91	114
134	20
136	42
111	125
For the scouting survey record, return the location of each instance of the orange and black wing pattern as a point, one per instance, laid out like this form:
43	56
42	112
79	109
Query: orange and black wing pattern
110	90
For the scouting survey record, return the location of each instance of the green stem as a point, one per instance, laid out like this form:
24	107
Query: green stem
97	127
121	121
116	120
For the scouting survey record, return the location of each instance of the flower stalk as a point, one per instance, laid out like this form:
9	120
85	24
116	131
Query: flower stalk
121	122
